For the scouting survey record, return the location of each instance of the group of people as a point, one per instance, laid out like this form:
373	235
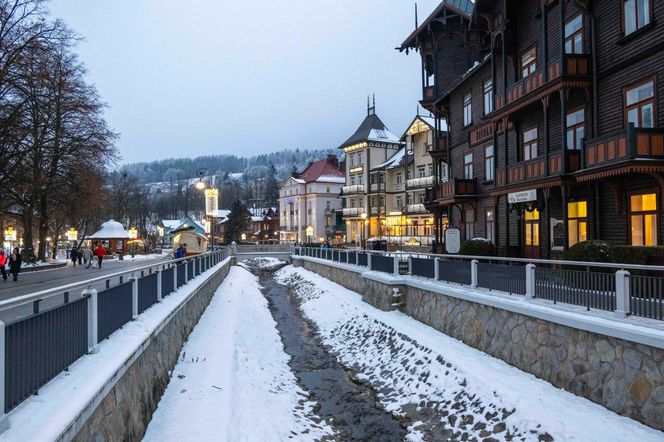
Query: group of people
15	260
85	255
181	251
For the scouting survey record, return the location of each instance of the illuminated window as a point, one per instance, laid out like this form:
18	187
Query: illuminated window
530	144
574	35
636	14
532	228
643	219
577	224
640	104
529	62
575	129
467	109
490	225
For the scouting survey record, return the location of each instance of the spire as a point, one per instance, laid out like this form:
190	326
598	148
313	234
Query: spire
368	106
374	102
371	110
416	24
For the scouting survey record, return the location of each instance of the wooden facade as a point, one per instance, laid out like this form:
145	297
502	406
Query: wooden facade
558	109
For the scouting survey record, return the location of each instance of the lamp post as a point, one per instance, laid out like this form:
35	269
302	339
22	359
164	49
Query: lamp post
211	198
363	216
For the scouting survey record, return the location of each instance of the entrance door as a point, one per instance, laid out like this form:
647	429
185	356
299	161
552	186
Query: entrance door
532	234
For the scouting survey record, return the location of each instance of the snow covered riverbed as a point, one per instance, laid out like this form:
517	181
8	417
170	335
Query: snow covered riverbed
441	384
233	381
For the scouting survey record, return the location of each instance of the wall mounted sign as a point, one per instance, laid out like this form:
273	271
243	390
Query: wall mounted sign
522	197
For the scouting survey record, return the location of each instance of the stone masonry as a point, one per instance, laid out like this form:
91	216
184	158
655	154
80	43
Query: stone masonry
621	375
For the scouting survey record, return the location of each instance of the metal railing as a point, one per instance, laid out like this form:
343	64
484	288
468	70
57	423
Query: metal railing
626	289
271	248
43	333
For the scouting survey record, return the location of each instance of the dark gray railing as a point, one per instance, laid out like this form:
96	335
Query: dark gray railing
37	347
602	286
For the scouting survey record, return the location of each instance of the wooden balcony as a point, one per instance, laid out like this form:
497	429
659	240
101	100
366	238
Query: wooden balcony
625	144
439	148
529	170
450	191
577	67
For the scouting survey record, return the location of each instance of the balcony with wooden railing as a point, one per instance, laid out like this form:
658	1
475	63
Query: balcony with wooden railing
577	67
449	191
626	144
529	170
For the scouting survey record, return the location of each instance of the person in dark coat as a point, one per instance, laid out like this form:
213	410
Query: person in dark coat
3	263
74	255
15	262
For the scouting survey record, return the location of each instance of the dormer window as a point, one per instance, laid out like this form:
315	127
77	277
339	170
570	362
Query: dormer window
529	62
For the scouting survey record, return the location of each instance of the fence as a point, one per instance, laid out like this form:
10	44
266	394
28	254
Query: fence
602	286
36	348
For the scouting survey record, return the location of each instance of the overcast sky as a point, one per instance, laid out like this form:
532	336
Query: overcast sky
196	77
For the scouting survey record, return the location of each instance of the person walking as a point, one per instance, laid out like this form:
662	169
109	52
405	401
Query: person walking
100	252
3	263
74	255
87	256
15	261
179	252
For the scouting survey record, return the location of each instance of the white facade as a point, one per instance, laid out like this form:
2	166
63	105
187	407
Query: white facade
307	210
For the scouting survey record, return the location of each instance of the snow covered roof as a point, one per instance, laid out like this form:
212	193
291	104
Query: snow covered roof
170	223
222	213
397	160
331	179
111	229
371	129
328	168
189	224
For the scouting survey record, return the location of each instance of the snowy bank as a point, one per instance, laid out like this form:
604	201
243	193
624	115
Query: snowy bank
265	263
233	381
426	375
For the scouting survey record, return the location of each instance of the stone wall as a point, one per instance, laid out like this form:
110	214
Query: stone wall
622	375
125	411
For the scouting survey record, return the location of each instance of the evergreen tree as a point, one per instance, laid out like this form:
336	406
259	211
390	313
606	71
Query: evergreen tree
271	187
238	221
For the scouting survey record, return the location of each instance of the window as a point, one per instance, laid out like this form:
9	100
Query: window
352	180
468	166
532	228
488	163
469	223
421	171
574	35
575	129
530	144
490	220
577	222
397	179
399	202
430	166
327	205
488	96
360	179
640	104
643	219
529	62
467	109
359	158
636	14
420	198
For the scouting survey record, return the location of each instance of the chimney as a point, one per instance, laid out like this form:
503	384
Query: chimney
332	159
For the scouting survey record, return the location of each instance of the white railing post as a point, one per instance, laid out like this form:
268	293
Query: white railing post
357	258
186	271
4	420
622	293
436	269
530	281
347	257
93	319
410	265
159	294
395	263
175	276
134	296
369	260
473	273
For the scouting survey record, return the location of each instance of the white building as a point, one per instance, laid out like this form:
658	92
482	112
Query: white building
308	201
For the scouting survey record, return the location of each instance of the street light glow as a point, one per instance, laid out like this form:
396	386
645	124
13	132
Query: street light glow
200	185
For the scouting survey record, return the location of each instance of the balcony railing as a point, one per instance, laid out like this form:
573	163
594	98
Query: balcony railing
529	170
439	146
353	189
454	188
416	208
629	143
377	187
576	65
429	92
424	181
352	211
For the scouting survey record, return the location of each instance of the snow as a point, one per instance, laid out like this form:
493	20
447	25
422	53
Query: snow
443	372
111	229
170	223
265	263
331	179
393	161
233	381
45	416
382	135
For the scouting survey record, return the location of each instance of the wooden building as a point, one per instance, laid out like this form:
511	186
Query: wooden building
554	112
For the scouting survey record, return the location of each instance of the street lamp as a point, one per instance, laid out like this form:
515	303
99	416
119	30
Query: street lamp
363	224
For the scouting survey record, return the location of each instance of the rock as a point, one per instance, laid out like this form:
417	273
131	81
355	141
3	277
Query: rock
605	351
658	396
639	391
632	358
499	428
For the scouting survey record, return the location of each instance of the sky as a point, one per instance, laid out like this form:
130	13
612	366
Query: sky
245	77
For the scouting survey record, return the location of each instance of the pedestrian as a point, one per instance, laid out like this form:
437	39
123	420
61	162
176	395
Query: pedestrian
74	255
179	252
87	256
15	261
184	246
100	252
3	263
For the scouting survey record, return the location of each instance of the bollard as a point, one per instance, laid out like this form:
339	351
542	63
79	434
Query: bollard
4	419
410	265
134	296
369	260
395	264
530	281
622	293
159	295
175	277
436	269
93	319
186	272
473	273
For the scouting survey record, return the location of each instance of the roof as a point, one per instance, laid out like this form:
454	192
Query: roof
170	223
461	7
189	224
111	229
429	121
371	129
399	159
321	170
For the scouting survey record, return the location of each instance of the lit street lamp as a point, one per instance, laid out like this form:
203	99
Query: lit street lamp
363	226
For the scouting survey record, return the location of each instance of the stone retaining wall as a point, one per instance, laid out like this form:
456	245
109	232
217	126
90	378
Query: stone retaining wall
125	411
624	376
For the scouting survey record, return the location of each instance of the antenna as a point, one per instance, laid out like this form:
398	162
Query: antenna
416	24
368	105
374	101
